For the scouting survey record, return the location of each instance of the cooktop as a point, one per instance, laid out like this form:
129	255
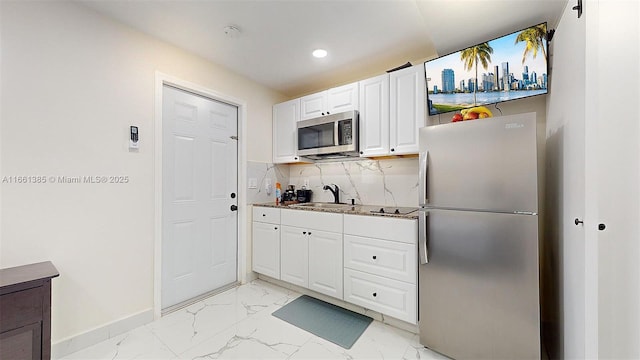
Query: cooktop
395	210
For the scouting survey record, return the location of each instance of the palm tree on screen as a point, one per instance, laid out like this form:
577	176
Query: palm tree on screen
534	39
474	55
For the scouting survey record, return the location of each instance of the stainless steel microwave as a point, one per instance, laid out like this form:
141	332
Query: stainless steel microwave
335	134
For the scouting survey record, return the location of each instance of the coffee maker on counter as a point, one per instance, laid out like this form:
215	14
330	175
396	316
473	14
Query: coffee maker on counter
289	194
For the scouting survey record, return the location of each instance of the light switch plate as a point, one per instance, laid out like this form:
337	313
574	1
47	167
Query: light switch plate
253	183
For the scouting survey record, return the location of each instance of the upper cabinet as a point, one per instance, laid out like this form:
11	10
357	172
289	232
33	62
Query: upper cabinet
407	109
392	110
285	138
335	100
374	116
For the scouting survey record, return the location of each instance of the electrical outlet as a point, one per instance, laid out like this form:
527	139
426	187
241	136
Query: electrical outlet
253	183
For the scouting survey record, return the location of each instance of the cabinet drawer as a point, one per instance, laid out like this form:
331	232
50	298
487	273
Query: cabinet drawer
387	228
390	297
266	214
20	308
312	220
381	257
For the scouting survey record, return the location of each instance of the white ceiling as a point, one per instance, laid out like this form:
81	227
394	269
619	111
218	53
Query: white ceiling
363	37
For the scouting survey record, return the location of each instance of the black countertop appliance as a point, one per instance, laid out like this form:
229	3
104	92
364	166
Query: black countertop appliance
304	195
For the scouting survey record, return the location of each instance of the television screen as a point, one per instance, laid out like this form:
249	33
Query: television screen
510	67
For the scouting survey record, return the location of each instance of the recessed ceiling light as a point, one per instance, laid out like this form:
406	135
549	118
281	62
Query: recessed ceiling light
319	53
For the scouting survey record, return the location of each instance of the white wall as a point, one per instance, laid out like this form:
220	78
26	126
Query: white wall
564	267
72	84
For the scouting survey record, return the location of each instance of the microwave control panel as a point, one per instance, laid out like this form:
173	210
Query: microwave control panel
345	134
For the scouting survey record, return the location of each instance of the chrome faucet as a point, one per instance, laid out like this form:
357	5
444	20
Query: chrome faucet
336	192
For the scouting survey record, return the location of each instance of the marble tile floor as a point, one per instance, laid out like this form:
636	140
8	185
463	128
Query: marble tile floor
237	324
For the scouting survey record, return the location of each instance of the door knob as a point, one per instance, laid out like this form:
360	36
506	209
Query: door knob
602	227
233	208
233	195
578	221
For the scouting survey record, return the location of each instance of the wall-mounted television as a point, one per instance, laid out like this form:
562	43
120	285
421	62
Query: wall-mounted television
510	67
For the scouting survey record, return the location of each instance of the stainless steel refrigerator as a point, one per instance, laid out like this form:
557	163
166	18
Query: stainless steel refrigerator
478	239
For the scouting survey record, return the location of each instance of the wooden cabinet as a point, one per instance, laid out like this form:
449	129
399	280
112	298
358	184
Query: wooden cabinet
266	241
381	265
285	139
374	116
335	100
407	109
25	311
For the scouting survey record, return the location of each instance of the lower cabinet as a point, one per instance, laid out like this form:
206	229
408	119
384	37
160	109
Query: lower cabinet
310	257
381	265
325	263
384	295
266	249
370	261
294	256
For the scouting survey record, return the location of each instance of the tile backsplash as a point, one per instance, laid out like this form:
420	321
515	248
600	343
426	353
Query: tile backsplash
389	182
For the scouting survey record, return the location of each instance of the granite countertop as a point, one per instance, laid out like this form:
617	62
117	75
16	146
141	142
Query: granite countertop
348	209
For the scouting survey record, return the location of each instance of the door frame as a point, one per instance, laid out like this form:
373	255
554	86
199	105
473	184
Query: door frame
162	79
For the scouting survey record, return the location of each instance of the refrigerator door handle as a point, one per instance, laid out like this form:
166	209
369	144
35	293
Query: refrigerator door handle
422	177
422	237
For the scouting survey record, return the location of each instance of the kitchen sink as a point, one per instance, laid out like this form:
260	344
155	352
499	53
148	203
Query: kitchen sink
324	205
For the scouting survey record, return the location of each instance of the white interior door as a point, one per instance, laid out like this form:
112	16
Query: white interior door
199	187
613	158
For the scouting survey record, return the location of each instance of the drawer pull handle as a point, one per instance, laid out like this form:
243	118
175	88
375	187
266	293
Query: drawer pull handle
264	214
276	228
374	257
309	232
304	232
375	294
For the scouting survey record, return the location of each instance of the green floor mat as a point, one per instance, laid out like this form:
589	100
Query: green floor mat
333	323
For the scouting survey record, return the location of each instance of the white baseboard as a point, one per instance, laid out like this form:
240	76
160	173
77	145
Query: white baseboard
78	342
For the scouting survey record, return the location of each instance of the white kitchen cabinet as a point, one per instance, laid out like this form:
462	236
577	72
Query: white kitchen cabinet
285	138
381	264
407	109
374	116
332	101
322	234
387	296
294	255
325	262
390	259
266	249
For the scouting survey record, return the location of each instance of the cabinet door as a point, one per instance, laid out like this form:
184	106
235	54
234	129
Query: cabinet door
285	137
325	263
313	105
374	116
266	249
294	252
22	343
408	109
387	296
342	98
